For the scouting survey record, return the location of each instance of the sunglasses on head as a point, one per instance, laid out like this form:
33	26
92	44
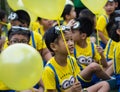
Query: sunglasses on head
13	16
76	26
16	28
62	27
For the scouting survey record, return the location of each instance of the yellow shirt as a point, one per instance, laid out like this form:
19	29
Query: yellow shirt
5	29
101	25
109	50
65	75
40	44
117	59
38	40
35	26
86	55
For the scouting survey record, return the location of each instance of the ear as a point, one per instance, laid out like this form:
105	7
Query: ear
53	46
118	31
84	36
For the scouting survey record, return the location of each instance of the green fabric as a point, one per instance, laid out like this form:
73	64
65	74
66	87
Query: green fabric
78	3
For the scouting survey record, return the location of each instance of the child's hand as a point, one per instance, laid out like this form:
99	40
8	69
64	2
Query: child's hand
100	50
71	22
76	87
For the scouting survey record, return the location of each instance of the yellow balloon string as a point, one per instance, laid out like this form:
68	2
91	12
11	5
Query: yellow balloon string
65	44
97	37
97	34
63	37
3	23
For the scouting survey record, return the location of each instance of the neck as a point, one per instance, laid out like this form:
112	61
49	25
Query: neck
67	21
82	44
61	59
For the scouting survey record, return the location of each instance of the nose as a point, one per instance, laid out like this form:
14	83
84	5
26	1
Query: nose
70	42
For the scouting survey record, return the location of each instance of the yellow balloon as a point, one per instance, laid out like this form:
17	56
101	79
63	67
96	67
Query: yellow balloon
96	6
48	9
21	66
18	4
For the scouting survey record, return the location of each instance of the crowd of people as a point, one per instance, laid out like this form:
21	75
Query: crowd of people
80	55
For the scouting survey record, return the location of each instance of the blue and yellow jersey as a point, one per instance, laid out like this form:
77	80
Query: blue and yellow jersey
86	55
35	26
109	50
117	59
56	77
101	25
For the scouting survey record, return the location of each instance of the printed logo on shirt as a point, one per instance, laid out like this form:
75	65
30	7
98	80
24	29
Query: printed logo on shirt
68	83
84	60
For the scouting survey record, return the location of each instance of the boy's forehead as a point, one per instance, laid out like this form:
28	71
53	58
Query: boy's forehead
68	33
112	0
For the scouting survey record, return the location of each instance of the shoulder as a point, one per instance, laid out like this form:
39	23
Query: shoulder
102	18
36	35
72	60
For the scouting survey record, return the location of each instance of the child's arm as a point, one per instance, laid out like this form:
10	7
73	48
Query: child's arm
45	54
102	60
104	40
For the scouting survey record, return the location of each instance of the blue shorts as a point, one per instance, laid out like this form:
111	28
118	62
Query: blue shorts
102	44
84	84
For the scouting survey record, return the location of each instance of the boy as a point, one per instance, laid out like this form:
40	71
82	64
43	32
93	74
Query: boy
18	35
86	54
103	20
68	13
41	25
60	74
21	18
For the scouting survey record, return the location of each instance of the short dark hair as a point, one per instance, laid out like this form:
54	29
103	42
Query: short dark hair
50	37
26	33
86	25
23	17
2	14
112	22
114	36
87	13
67	10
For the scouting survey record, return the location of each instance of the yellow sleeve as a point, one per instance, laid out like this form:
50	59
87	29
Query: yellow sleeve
117	59
48	79
101	23
34	26
109	49
39	42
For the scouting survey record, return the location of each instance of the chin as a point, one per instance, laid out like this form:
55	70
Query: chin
72	52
